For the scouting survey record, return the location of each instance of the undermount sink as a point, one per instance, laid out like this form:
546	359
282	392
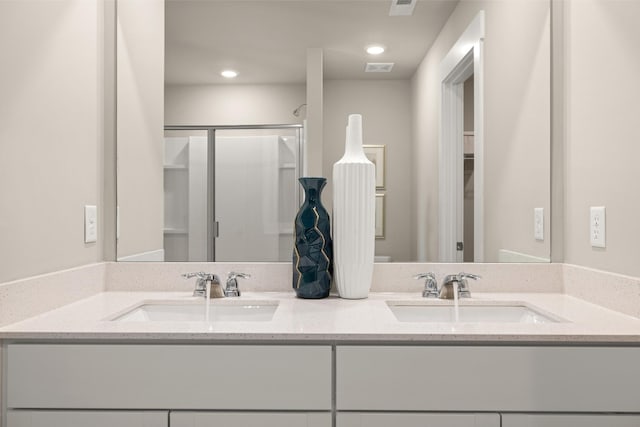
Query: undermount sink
197	311
469	312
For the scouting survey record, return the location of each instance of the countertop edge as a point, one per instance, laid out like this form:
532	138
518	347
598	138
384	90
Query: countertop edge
318	339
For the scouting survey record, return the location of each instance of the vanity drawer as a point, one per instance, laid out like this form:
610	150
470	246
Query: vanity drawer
571	420
169	376
250	419
470	378
39	418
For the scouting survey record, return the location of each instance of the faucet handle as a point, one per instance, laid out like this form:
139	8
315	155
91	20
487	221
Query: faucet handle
191	275
211	277
234	275
463	276
430	284
232	289
462	281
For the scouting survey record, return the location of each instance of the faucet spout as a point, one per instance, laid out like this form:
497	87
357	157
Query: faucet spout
201	284
448	290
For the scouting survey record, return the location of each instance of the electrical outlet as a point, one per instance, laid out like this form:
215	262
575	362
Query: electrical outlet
538	223
597	227
90	224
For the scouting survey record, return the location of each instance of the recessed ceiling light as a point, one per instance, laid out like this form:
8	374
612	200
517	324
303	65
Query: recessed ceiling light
229	74
375	50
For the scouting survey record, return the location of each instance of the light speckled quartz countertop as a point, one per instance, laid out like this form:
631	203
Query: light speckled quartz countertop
328	320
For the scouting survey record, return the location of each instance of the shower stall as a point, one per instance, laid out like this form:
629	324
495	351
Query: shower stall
231	192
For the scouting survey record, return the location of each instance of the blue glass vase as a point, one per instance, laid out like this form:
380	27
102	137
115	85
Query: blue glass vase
312	249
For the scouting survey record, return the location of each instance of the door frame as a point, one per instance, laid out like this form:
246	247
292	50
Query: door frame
465	58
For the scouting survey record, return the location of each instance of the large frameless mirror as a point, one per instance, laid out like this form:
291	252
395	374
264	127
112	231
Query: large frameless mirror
233	148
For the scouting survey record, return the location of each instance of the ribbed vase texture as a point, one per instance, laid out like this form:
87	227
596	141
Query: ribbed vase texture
354	194
312	250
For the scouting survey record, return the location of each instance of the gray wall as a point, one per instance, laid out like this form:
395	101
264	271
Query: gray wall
602	140
50	134
233	104
517	126
385	106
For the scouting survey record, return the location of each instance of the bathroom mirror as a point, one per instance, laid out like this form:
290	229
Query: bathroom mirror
258	119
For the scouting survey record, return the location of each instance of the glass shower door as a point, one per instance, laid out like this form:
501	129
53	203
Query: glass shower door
256	193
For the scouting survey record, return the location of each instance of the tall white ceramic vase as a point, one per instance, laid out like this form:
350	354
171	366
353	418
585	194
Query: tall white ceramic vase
354	197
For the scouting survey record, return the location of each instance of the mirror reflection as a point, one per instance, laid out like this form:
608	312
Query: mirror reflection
234	146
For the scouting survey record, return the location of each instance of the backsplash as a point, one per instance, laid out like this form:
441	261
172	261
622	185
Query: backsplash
387	277
28	297
615	291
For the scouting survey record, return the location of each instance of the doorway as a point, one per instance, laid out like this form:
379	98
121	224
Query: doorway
463	63
468	177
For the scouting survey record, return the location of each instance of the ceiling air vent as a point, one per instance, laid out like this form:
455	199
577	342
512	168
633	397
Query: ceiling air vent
378	67
402	7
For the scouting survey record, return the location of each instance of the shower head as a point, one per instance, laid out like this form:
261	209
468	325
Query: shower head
296	112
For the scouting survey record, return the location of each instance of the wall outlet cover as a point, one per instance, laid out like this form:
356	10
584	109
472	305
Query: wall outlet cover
90	224
597	229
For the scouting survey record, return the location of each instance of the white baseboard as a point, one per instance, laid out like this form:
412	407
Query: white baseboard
505	255
151	256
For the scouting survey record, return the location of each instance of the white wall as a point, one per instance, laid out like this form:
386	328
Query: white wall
50	133
385	106
603	136
517	126
140	119
233	104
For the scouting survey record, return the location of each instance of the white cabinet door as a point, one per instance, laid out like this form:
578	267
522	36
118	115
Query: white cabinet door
34	418
488	378
361	419
251	419
189	377
524	420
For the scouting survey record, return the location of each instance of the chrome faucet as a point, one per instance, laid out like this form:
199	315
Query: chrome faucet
430	285
447	289
232	289
201	284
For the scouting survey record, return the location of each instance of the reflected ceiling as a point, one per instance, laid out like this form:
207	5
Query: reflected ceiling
266	41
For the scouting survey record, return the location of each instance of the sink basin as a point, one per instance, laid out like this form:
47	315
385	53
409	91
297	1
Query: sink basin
196	311
485	312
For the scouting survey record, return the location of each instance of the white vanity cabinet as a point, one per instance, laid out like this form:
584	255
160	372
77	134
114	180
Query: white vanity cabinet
37	418
253	419
363	419
320	385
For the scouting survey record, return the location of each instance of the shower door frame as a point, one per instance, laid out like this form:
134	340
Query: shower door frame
212	225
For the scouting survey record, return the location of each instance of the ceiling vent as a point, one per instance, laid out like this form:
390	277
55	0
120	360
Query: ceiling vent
378	67
402	7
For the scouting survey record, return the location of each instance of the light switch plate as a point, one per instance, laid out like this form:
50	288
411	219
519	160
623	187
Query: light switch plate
90	224
538	223
597	227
